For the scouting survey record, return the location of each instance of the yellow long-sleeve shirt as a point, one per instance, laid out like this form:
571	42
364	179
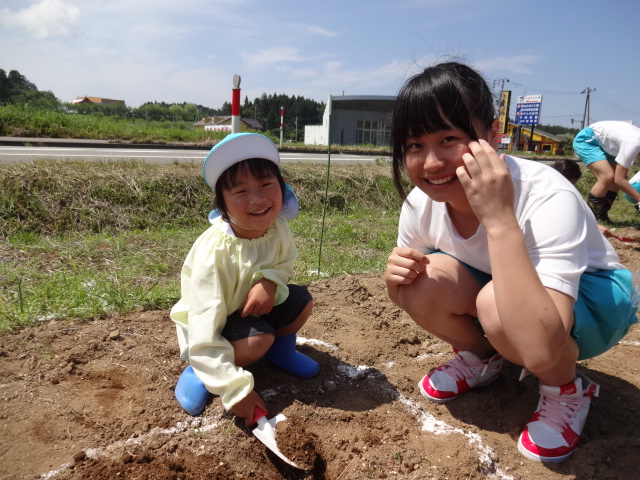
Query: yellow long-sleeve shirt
216	278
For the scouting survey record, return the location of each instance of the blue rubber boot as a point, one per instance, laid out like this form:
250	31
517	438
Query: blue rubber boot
283	354
190	392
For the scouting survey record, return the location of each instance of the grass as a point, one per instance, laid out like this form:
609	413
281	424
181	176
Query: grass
623	212
80	240
26	121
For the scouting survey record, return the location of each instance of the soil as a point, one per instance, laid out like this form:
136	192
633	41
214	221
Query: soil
94	399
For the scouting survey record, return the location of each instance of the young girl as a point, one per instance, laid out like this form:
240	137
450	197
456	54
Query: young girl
499	257
236	305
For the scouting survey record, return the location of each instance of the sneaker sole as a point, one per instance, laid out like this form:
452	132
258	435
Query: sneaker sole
445	400
434	399
538	458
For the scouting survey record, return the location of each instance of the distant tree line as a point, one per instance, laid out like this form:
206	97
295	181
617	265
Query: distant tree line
17	89
557	129
298	111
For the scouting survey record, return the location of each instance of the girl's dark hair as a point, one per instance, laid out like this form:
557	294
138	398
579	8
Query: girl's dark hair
446	95
258	167
569	169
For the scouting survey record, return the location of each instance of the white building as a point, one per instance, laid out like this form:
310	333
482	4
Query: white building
353	120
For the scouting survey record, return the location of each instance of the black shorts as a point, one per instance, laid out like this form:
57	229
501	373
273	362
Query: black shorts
281	315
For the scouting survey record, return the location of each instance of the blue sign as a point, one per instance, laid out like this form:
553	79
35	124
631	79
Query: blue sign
528	113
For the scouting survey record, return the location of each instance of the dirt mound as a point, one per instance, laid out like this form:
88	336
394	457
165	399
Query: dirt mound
94	399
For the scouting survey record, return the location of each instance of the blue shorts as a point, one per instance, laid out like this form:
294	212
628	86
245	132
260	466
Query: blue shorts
588	149
238	328
604	311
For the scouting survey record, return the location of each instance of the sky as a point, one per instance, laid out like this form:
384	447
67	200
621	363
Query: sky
189	50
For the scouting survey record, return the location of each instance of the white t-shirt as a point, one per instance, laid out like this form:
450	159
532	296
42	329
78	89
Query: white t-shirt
560	232
635	178
620	139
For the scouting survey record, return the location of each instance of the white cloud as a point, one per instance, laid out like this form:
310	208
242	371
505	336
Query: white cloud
320	31
271	56
47	18
517	64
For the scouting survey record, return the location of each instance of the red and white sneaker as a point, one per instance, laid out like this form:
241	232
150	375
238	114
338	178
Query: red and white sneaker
554	431
466	370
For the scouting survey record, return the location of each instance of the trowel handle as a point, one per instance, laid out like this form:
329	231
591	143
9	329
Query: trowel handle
258	413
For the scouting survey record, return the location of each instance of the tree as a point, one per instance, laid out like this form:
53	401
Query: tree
190	113
176	112
16	89
20	81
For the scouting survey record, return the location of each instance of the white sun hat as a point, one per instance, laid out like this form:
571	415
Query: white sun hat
237	147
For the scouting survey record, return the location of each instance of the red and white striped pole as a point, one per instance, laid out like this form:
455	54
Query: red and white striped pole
281	124
235	105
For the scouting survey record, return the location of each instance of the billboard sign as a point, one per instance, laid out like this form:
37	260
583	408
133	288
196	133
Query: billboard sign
503	111
218	128
528	110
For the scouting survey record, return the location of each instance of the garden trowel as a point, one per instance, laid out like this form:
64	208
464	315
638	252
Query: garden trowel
265	432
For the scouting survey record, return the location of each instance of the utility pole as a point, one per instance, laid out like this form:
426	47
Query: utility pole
585	117
500	81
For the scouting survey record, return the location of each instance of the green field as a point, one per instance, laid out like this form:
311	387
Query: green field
80	240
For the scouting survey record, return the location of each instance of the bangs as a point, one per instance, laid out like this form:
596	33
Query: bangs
257	167
447	96
430	107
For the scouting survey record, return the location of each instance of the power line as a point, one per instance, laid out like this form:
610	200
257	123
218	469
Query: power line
547	91
586	120
611	104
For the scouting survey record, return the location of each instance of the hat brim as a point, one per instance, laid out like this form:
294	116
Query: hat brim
235	148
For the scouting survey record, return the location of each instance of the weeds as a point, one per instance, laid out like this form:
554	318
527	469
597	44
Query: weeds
230	426
88	239
79	240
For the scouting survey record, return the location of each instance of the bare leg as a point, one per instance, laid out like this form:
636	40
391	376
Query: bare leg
443	302
298	322
603	172
251	349
561	372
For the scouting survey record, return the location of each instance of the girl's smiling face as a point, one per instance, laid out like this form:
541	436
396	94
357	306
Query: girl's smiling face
252	204
431	160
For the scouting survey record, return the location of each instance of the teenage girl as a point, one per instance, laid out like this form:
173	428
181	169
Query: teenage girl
499	257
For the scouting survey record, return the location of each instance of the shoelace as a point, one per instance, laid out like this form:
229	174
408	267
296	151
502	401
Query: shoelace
458	368
557	412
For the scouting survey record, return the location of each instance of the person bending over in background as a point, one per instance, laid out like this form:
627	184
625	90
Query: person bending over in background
608	149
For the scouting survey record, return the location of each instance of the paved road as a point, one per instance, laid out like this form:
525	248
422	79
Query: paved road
26	150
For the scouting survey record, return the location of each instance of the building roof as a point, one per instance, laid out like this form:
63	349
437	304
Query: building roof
527	128
378	103
87	99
